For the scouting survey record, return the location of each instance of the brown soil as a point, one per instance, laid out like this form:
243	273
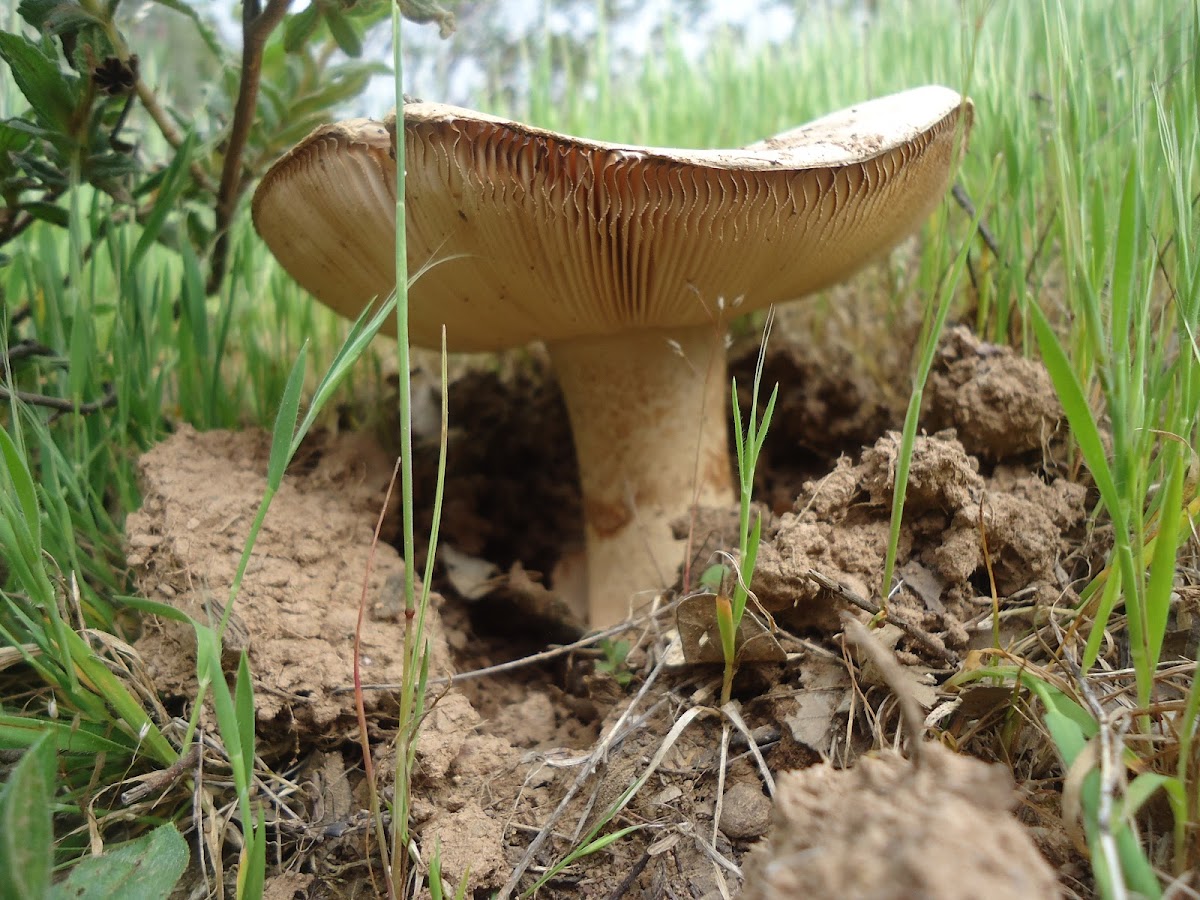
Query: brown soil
298	606
889	828
988	525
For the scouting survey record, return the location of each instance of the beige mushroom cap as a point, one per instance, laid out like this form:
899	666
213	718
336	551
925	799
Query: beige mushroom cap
617	257
525	234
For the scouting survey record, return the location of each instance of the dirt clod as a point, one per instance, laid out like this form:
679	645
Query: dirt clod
889	829
446	728
956	522
1001	404
288	886
469	844
298	605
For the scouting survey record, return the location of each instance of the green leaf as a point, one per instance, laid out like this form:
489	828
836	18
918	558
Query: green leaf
299	28
102	167
12	138
92	670
1139	874
26	829
244	706
345	83
47	212
605	840
1162	566
162	610
345	33
764	424
1070	736
229	712
227	721
20	483
1061	705
31	128
740	441
1075	405
1127	251
35	11
66	18
426	11
714	577
49	174
435	873
39	78
727	628
174	182
1142	788
283	433
1099	630
208	654
252	875
740	595
70	737
144	869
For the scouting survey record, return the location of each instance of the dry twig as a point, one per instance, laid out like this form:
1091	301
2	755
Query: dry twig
61	404
531	660
930	642
598	755
964	200
161	780
910	710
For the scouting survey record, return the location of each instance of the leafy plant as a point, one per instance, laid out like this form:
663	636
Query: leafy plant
34	624
82	78
613	663
143	869
749	442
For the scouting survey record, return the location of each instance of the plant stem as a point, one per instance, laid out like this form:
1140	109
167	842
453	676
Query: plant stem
413	651
257	25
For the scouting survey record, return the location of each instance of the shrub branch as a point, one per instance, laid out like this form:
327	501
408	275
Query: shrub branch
257	24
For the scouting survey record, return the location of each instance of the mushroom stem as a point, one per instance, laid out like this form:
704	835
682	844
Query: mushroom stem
647	411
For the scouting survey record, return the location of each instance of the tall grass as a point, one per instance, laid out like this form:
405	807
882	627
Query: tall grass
1086	116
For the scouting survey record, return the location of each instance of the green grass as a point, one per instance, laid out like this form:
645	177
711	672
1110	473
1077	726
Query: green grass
1083	164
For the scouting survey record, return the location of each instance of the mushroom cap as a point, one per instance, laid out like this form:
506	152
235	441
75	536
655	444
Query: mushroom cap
517	233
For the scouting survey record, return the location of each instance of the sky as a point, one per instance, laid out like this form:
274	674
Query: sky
428	56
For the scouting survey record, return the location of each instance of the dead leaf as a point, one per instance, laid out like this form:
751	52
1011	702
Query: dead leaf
696	617
470	576
812	720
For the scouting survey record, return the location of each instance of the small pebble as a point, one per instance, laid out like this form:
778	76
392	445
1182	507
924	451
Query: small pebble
745	812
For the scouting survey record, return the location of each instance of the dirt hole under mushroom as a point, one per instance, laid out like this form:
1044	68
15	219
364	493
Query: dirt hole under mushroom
499	753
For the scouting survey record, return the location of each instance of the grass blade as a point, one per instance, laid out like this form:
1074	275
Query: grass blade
244	704
20	483
283	434
26	833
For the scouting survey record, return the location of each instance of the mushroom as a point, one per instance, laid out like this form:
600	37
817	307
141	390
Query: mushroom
626	261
